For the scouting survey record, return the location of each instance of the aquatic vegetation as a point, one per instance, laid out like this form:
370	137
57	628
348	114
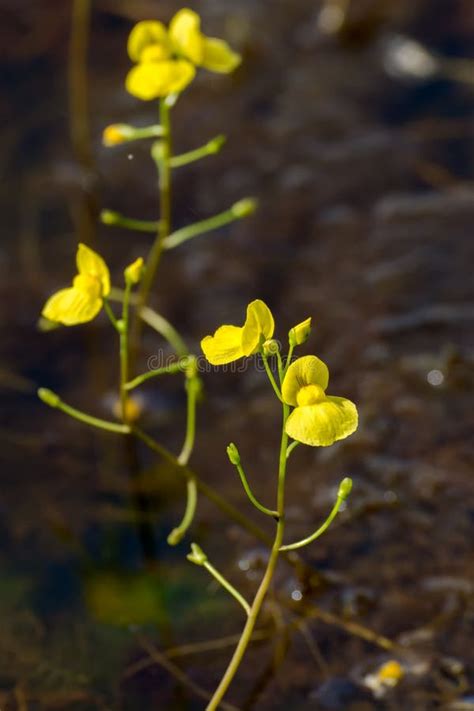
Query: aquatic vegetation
165	64
316	419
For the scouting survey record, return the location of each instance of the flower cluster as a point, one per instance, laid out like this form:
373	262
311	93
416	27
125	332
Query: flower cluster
166	59
317	419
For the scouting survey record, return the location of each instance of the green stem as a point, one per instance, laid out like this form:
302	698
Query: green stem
228	586
164	328
252	498
210	148
124	365
264	585
166	370
178	533
111	315
50	398
320	530
241	209
291	447
288	359
270	376
109	217
164	226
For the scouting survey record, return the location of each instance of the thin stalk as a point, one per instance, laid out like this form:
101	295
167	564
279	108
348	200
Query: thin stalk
178	533
305	541
228	586
50	398
124	365
171	369
164	225
288	359
271	376
291	447
264	585
201	227
110	217
248	491
111	315
210	148
164	328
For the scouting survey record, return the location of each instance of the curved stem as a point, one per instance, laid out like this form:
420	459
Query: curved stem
264	585
123	331
210	148
228	586
251	496
319	531
178	533
270	376
53	400
110	217
198	228
171	369
291	447
288	359
163	327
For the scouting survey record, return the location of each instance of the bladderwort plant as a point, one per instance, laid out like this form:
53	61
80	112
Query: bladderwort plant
309	416
165	63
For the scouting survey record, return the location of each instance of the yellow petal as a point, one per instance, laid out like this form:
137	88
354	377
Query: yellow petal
323	424
89	263
157	79
71	306
146	34
185	34
224	346
218	56
308	370
89	285
259	326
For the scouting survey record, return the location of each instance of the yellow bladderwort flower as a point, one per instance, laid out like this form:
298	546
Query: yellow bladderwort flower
166	59
83	300
230	343
318	419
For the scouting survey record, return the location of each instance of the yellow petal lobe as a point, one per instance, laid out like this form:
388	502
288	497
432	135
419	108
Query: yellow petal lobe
155	80
321	425
185	34
146	34
71	306
259	326
218	56
89	263
308	370
224	346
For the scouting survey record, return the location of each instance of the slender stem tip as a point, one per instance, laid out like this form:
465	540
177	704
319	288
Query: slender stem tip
49	397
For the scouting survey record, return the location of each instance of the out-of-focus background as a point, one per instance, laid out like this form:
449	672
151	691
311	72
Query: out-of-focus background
351	121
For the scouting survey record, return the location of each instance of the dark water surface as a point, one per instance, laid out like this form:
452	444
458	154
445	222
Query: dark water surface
365	224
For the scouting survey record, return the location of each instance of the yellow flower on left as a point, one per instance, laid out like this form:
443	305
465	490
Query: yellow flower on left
230	343
84	299
166	59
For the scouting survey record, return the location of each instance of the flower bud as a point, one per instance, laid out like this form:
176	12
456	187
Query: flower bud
108	217
300	333
117	133
271	347
216	143
233	454
197	555
48	397
244	207
345	488
133	272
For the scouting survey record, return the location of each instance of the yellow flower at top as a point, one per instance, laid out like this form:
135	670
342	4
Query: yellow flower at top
230	343
166	59
84	299
318	419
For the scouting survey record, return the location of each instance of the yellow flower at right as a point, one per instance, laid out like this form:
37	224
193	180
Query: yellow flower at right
318	419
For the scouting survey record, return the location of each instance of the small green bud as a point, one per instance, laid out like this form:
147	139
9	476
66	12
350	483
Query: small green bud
48	397
157	151
215	145
108	217
133	273
197	555
271	347
345	488
233	454
300	333
244	207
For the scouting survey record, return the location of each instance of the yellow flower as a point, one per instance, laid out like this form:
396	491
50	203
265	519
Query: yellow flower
230	343
166	58
83	300
318	419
